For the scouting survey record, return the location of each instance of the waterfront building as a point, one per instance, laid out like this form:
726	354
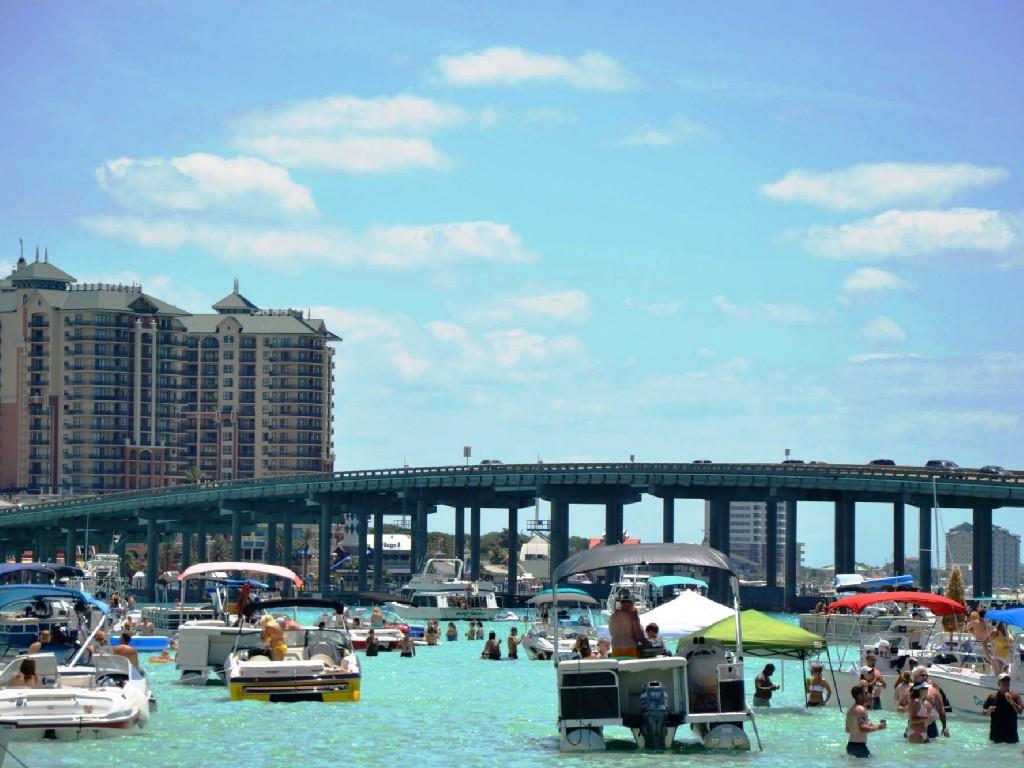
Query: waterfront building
1005	554
107	388
748	537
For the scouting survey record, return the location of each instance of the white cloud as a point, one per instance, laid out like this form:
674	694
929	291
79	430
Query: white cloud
395	247
883	357
445	331
201	181
877	185
869	279
761	311
550	116
572	305
351	115
379	154
658	309
883	330
681	130
162	287
899	233
510	66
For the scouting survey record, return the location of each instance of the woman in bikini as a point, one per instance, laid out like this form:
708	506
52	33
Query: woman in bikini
819	692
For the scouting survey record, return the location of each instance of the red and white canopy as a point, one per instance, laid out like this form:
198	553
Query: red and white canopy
271	570
937	604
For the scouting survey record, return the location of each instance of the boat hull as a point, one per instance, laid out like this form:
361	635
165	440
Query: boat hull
965	689
327	688
447	614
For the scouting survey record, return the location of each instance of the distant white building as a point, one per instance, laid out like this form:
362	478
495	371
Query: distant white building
397	551
748	532
1005	554
535	556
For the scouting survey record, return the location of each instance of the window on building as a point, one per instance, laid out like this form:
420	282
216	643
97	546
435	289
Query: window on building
228	396
229	355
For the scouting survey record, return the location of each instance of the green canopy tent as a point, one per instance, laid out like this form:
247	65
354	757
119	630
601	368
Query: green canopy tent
766	637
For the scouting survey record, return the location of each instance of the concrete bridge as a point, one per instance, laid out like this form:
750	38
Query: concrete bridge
321	499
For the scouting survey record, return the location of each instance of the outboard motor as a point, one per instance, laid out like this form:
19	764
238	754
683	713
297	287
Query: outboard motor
653	711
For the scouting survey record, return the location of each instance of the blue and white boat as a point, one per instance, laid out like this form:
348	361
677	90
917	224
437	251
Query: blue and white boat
28	609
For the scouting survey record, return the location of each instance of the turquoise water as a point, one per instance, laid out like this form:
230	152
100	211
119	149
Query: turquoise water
446	707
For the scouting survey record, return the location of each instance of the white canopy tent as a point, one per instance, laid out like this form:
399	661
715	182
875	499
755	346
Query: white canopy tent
688	613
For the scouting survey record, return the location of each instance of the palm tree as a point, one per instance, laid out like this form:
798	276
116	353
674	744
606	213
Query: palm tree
954	591
195	475
219	549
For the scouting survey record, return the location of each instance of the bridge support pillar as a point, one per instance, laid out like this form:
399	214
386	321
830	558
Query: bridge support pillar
324	555
201	547
718	538
378	549
270	551
559	533
513	551
152	558
771	538
613	523
981	562
899	539
122	550
668	526
236	534
71	547
924	545
790	573
363	525
186	550
474	543
460	533
288	549
419	536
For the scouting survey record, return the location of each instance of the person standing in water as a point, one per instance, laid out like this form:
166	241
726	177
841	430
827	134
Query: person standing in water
858	725
764	687
1003	707
513	643
452	634
492	648
819	692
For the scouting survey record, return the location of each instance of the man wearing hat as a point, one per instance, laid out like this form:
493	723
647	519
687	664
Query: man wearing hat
624	626
920	675
1002	707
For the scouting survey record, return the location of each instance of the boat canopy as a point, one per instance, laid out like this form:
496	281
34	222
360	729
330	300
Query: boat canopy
937	604
30	593
660	582
568	595
683	615
854	582
293	602
1014	616
619	555
765	636
57	570
272	570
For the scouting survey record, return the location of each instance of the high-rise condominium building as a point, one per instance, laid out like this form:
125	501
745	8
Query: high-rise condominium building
748	537
1005	554
106	388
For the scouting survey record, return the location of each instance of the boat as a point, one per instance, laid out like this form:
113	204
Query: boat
892	656
506	615
106	697
318	665
204	643
575	620
103	577
387	626
639	587
26	610
56	574
665	588
707	695
439	592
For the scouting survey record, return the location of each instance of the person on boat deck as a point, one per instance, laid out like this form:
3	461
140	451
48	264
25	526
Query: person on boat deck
44	639
372	647
272	637
981	634
604	648
1001	644
26	676
513	642
875	679
451	634
406	645
657	645
581	649
1003	707
937	699
858	725
125	649
764	687
624	626
819	692
492	648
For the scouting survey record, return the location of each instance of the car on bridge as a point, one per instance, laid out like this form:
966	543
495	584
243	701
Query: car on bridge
882	462
945	467
994	469
701	461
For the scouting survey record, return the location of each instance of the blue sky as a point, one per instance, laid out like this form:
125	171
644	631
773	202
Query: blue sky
573	232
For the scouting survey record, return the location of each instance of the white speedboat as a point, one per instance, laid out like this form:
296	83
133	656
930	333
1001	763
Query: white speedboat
205	643
440	593
506	615
595	693
575	620
318	664
106	697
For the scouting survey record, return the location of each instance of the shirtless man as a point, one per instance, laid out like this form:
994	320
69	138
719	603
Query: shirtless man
514	641
875	678
979	630
44	639
858	726
125	649
624	626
